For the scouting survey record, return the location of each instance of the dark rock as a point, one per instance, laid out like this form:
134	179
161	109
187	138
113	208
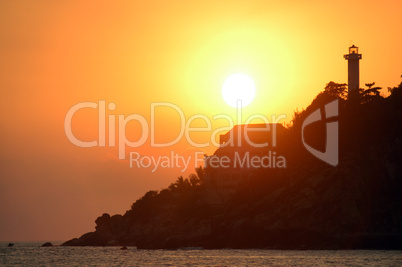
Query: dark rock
308	205
47	244
73	242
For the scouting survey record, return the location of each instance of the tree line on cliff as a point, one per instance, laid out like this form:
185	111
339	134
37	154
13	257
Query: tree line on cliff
356	204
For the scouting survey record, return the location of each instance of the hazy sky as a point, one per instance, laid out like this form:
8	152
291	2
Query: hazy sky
56	54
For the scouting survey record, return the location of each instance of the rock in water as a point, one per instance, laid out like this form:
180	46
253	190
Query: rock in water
47	244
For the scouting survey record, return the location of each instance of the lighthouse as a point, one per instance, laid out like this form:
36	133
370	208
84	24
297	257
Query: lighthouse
353	68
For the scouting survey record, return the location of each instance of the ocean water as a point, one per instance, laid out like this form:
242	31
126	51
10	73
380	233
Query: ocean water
31	254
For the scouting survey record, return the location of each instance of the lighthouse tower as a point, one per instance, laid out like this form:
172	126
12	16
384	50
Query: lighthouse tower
353	68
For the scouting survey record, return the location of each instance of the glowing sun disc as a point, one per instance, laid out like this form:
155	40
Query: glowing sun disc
238	90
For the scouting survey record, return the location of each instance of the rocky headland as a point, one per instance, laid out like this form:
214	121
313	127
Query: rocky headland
308	205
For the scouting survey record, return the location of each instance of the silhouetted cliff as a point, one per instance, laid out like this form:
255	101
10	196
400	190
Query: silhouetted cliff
309	204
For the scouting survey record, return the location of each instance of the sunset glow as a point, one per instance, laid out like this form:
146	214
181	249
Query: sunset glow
133	54
238	90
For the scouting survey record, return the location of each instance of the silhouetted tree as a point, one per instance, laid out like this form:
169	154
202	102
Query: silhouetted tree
182	184
194	181
392	89
371	93
336	89
200	171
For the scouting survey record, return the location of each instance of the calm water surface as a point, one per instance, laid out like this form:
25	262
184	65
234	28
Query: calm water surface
31	254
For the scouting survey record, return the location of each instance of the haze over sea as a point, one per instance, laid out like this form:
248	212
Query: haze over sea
31	254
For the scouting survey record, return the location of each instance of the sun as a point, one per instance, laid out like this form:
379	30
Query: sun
238	90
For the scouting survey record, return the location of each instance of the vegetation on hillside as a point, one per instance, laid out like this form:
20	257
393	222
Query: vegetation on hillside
357	204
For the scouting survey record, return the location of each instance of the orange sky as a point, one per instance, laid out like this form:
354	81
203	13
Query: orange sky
55	54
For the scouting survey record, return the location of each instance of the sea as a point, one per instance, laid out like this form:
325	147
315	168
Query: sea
32	254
